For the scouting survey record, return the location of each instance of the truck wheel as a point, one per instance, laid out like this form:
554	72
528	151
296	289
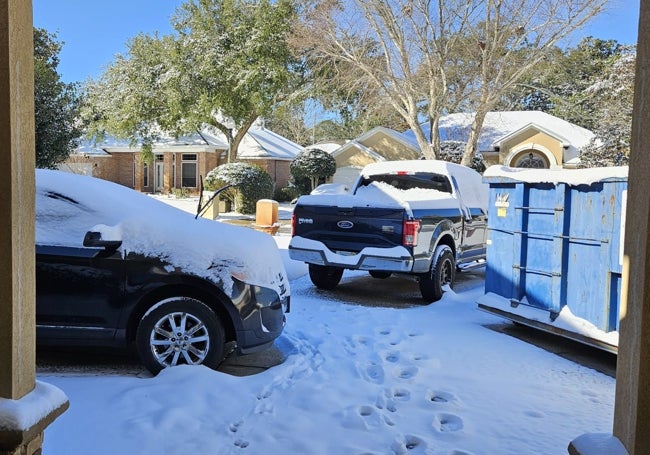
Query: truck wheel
325	277
379	274
443	269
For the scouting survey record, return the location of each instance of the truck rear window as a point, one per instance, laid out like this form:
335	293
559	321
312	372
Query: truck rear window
423	180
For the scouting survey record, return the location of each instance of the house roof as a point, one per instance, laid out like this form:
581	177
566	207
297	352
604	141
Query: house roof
260	143
501	125
361	142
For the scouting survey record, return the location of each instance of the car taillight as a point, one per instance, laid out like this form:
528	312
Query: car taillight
410	230
293	224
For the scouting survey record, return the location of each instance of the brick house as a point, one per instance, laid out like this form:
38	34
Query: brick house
180	164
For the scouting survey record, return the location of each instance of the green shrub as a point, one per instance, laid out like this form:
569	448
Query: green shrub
286	194
251	183
311	167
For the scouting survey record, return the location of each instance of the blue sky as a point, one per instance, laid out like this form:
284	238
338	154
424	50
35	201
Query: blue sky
94	31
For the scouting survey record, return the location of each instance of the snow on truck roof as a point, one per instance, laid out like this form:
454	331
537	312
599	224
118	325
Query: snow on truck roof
378	194
472	189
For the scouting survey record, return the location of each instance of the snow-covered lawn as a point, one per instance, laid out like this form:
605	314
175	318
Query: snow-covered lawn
356	380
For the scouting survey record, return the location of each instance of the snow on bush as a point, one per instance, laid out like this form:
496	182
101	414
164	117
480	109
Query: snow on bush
251	183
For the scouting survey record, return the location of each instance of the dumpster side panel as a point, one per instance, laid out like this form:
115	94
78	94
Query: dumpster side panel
557	244
502	243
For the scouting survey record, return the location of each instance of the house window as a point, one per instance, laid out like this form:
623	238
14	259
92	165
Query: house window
531	160
188	170
145	176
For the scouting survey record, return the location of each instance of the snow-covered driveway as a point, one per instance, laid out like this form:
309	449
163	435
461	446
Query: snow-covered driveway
357	379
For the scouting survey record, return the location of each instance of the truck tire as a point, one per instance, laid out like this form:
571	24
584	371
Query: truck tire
442	272
325	277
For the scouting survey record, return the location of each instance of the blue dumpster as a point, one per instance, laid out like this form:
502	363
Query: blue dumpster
555	250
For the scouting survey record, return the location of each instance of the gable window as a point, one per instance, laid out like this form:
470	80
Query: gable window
531	160
188	170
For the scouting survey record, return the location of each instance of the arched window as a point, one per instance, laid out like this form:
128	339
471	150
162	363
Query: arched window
531	159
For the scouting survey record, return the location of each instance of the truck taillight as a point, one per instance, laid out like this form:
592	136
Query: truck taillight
410	231
293	224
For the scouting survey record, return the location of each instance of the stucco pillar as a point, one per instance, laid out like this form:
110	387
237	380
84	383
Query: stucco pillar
25	409
632	409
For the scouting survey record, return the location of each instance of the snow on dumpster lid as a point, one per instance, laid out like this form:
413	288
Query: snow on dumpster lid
569	176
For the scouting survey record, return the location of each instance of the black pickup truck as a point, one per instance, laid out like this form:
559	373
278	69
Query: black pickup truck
424	218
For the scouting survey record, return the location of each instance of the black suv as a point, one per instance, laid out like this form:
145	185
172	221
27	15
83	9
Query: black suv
114	267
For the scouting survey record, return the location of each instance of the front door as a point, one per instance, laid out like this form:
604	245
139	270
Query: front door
159	177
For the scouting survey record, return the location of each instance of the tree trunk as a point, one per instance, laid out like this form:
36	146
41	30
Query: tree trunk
235	140
426	148
472	140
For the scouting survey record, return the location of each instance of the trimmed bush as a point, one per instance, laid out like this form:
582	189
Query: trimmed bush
252	183
310	167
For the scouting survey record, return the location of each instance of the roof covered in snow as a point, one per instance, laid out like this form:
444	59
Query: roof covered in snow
258	143
500	125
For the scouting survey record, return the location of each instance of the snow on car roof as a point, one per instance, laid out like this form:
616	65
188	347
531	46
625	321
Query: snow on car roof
69	205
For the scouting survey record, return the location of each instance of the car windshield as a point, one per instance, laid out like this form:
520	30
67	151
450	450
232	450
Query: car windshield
423	180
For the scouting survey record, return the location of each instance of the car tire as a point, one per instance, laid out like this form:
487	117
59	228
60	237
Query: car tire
198	338
381	274
442	273
325	277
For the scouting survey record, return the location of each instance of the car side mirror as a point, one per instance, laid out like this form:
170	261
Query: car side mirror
94	239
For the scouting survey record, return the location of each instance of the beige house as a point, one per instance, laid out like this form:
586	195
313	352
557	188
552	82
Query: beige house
378	144
180	164
518	139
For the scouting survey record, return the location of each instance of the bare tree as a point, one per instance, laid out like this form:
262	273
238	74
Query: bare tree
398	48
510	38
427	57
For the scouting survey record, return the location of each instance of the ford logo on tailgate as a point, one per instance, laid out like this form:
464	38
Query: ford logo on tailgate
345	224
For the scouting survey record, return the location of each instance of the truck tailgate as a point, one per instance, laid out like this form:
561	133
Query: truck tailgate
350	228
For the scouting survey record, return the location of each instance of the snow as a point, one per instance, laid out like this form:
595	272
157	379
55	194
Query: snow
356	379
24	413
411	379
599	444
565	320
474	192
215	251
498	125
572	177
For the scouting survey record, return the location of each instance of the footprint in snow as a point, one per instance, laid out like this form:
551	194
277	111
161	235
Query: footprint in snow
241	443
370	415
441	397
234	427
401	394
409	444
392	356
407	372
375	373
447	423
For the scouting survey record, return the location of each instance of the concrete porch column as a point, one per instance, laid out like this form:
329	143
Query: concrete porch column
26	407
